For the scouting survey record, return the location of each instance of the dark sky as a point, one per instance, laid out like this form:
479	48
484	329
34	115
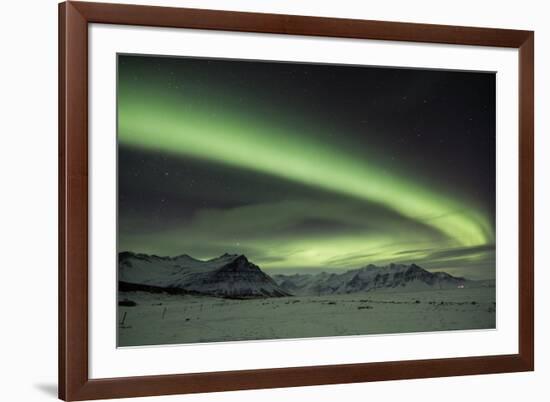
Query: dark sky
307	166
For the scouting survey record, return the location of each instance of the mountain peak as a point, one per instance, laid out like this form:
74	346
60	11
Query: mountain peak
408	277
414	267
229	275
241	257
227	258
224	257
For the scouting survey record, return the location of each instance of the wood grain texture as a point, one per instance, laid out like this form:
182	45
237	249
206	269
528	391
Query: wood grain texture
73	196
526	200
298	25
74	382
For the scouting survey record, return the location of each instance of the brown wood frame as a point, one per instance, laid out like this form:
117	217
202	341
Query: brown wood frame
74	383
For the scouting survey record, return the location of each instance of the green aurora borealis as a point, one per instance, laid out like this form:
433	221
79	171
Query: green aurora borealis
213	162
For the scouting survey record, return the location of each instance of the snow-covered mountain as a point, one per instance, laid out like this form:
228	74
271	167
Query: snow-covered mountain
393	276
229	275
232	275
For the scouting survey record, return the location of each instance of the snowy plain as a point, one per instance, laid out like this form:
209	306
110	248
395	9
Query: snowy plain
161	318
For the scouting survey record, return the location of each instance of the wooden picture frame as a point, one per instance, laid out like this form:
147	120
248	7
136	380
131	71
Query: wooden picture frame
74	381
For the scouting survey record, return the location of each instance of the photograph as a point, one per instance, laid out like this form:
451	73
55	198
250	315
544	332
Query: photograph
261	200
266	201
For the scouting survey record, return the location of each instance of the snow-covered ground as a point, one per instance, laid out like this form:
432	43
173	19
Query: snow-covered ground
159	318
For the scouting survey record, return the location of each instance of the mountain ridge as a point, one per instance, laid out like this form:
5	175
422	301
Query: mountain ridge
234	276
367	278
230	275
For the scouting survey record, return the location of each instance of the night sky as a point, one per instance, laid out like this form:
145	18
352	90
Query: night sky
307	167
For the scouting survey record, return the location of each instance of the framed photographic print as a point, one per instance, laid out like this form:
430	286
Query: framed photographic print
258	200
